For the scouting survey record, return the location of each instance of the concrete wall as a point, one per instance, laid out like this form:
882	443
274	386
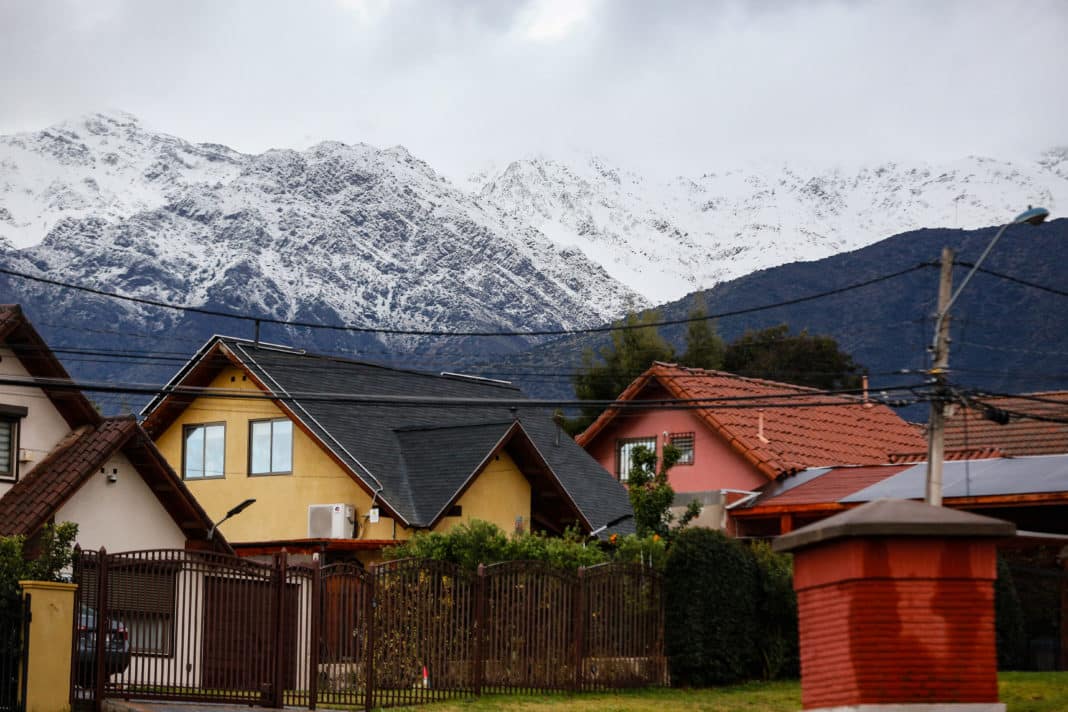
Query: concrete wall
42	427
123	515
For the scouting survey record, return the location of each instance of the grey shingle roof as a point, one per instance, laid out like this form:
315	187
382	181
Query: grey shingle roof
417	454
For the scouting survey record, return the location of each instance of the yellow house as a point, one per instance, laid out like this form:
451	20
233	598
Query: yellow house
346	457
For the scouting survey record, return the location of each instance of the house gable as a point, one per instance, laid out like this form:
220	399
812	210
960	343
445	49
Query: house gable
282	501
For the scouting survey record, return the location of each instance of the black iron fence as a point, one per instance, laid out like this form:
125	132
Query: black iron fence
14	652
185	625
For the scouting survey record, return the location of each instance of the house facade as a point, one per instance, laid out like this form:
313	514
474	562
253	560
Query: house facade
60	460
738	434
344	457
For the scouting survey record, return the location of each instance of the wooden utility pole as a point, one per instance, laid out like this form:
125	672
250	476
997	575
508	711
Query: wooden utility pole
936	425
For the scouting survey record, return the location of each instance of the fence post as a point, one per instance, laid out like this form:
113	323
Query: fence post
278	688
579	625
480	629
102	627
79	596
369	638
314	642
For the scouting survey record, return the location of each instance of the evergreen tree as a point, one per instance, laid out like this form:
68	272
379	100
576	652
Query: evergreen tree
802	359
651	496
704	346
606	375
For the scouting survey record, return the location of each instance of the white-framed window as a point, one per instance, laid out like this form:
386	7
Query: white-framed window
625	454
204	451
270	450
684	442
8	449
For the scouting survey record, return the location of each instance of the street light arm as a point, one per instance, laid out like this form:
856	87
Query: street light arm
1031	216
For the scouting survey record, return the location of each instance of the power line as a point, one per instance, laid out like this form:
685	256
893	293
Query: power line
783	400
442	333
1016	280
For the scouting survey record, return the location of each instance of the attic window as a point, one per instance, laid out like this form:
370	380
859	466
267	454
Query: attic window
204	451
9	440
684	442
270	447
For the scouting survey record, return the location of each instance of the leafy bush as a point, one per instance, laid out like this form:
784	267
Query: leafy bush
471	543
778	646
1009	621
54	554
711	617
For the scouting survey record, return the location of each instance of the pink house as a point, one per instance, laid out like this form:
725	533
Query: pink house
740	433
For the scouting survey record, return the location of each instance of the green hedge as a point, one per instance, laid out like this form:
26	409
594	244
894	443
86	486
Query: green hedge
731	611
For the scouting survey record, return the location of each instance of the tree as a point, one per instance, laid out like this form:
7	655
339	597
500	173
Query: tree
606	375
651	496
803	359
704	346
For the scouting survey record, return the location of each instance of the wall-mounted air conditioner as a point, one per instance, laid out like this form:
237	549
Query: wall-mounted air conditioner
331	521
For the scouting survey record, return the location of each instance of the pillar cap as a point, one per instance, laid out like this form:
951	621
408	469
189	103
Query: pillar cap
895	517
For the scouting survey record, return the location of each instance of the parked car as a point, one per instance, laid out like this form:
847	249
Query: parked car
116	652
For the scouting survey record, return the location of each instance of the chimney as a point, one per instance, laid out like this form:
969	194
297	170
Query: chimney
760	427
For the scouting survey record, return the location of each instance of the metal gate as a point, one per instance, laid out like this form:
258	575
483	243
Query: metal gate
14	652
196	626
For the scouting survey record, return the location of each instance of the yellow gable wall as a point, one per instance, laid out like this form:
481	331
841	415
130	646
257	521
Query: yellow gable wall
499	495
281	508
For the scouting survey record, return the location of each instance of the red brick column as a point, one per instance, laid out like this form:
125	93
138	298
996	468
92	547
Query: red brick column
896	607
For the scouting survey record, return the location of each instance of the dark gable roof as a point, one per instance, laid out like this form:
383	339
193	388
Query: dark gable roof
33	500
417	456
17	334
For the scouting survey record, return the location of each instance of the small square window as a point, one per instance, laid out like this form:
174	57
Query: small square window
204	451
270	447
684	442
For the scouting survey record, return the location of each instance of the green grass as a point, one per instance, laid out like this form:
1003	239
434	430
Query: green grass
1020	691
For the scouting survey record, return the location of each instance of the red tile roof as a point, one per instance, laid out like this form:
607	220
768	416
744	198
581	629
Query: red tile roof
970	428
831	486
801	427
32	501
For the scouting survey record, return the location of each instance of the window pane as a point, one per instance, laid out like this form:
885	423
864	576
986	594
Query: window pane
7	432
194	453
260	461
625	454
214	450
282	446
684	442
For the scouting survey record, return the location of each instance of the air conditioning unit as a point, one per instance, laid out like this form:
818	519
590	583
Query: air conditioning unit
331	521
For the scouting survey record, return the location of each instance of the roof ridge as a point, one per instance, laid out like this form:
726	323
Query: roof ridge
458	426
752	379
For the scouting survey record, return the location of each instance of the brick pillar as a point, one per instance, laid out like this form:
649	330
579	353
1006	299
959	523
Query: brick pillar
896	609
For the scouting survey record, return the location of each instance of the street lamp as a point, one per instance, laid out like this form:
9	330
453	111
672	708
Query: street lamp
940	351
232	513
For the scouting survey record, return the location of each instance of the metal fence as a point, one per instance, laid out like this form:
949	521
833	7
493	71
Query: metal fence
14	652
186	625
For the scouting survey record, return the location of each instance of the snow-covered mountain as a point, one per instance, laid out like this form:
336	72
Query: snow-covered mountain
335	233
376	237
666	238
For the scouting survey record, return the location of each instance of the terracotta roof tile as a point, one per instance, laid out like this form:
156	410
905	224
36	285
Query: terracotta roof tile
40	492
783	428
970	428
831	486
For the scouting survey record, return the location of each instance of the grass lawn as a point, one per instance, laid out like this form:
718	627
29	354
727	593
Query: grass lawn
1020	691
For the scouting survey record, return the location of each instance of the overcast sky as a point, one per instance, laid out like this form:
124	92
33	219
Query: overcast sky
677	86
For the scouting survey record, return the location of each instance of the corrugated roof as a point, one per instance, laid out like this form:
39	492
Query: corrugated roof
975	478
970	427
829	485
800	428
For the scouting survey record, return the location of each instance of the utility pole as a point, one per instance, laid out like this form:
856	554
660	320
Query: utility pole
936	425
